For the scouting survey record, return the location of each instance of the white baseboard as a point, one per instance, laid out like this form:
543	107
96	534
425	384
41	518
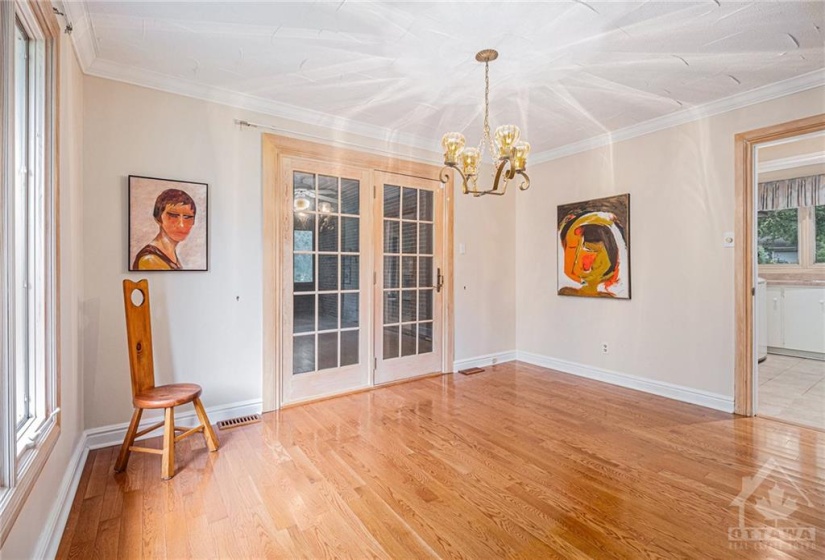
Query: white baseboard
485	360
52	532
106	436
661	388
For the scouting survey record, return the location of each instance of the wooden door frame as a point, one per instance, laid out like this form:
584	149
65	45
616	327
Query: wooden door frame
274	148
745	143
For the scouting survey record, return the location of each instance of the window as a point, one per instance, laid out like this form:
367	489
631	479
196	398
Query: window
819	235
778	236
791	239
28	373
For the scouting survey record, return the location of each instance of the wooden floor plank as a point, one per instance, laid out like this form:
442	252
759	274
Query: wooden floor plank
518	461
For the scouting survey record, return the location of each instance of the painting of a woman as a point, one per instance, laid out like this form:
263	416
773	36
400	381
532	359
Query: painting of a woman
176	217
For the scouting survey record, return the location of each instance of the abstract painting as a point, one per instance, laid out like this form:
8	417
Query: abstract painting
594	248
167	224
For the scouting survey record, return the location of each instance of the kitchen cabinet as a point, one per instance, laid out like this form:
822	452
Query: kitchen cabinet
796	318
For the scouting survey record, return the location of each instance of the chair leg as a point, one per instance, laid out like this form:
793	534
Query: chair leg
208	432
123	458
167	467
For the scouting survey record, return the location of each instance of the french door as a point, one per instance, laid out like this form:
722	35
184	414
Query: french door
409	272
327	257
361	287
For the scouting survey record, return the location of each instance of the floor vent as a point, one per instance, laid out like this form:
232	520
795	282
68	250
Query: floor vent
471	371
239	421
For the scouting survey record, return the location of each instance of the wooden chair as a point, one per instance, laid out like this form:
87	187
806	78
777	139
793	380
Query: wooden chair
146	396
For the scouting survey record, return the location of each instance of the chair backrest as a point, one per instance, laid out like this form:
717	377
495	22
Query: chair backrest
139	334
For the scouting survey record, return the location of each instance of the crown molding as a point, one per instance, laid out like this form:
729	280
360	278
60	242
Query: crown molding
330	124
765	93
82	35
791	162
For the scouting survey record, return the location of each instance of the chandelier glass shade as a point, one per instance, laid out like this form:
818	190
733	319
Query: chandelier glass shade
508	152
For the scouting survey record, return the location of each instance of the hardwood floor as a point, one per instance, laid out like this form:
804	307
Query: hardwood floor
518	461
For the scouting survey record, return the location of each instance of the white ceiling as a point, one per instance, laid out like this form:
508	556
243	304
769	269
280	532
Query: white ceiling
568	71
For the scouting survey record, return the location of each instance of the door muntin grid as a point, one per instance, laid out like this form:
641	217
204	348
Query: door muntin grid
326	249
408	252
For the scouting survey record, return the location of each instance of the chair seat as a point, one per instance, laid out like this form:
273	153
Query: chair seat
167	396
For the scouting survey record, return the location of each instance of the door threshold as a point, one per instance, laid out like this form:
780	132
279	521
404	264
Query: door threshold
790	423
359	390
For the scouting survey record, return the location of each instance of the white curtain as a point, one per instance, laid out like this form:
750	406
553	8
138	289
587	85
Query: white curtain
792	193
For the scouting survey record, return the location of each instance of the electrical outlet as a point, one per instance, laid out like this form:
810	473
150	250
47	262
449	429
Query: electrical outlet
604	348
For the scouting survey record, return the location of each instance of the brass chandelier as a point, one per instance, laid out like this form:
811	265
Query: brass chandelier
510	159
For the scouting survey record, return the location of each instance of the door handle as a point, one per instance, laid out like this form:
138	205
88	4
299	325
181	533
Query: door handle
439	282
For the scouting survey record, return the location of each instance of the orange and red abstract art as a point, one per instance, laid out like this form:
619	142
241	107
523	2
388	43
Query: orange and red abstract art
594	248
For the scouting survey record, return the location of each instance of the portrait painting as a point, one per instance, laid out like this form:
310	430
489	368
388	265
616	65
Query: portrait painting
594	248
167	224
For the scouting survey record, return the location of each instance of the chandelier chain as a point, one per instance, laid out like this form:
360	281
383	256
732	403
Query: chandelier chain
487	137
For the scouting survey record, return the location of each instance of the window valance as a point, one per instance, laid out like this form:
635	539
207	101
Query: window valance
792	193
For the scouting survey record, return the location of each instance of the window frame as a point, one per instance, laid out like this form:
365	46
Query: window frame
23	452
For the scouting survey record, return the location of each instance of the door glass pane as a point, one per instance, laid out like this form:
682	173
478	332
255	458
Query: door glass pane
327	272
350	197
303	354
350	272
408	272
425	338
303	232
410	205
327	194
425	272
349	348
408	340
390	342
391	272
328	233
409	237
392	201
327	312
350	242
425	239
392	237
349	310
303	314
425	206
391	307
303	191
303	273
408	304
327	350
425	305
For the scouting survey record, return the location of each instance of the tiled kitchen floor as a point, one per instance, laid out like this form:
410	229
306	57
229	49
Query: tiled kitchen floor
792	389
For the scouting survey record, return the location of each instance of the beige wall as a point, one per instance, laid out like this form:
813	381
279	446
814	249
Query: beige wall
22	542
679	326
485	287
208	326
